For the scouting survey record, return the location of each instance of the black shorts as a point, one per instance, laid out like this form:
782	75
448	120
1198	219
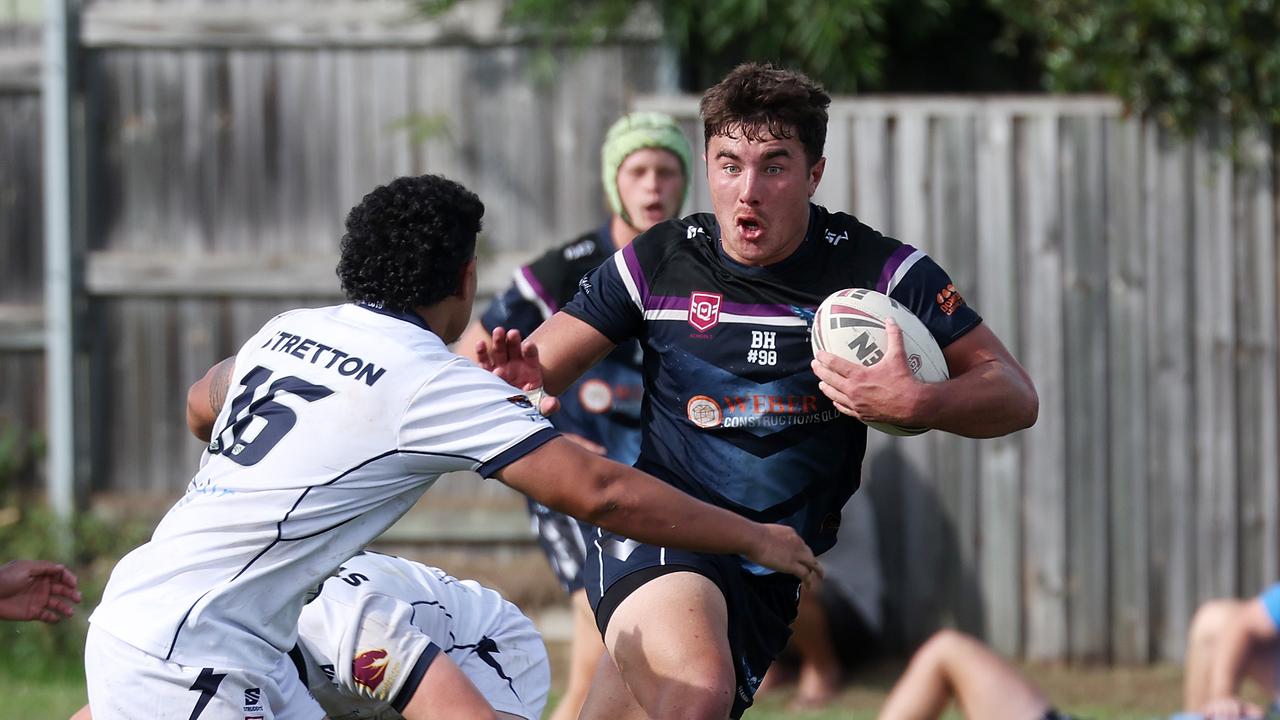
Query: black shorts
561	539
761	608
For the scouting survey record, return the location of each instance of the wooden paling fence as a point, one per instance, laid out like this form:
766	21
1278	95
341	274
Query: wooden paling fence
1132	272
222	148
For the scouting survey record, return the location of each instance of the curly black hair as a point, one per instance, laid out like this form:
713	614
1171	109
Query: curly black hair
408	241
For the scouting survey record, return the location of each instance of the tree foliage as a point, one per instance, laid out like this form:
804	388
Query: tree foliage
1185	62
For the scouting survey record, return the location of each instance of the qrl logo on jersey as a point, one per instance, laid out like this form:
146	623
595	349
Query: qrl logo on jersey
704	310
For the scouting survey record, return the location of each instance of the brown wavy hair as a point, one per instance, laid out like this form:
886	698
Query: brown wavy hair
756	100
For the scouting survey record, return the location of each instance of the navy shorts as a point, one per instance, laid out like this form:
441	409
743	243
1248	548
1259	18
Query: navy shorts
761	608
561	539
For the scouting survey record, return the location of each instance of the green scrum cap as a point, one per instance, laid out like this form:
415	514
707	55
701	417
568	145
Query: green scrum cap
638	131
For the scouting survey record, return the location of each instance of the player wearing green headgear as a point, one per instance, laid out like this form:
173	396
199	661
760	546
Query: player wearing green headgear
645	161
632	133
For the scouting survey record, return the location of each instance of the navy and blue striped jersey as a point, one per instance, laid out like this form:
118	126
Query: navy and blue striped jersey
604	405
732	412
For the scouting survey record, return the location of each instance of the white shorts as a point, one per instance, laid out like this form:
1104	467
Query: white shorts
125	683
510	670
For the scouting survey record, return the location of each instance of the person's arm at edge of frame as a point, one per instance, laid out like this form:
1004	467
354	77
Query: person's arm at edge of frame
988	395
553	357
1247	630
206	396
641	507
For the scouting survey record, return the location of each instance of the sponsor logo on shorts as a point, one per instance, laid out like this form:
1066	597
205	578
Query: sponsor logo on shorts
520	401
949	299
369	668
704	310
703	411
252	703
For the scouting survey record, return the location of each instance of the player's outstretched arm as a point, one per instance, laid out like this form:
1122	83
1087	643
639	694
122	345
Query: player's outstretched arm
989	393
206	396
555	355
624	500
37	590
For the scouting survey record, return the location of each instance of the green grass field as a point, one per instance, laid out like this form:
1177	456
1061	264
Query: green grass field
1101	693
26	699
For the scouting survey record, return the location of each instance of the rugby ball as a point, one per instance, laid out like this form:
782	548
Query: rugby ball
850	324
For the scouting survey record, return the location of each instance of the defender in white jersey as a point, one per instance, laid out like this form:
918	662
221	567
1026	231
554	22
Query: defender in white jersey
339	418
372	630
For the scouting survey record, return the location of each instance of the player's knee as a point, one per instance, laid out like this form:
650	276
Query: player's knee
1209	620
943	644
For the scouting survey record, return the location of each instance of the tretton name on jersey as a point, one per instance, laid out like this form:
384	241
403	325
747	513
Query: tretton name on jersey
345	363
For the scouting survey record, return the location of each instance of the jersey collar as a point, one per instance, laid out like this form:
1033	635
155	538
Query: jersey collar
408	316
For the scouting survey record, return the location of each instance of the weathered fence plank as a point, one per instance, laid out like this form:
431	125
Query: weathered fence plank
1255	366
1085	343
1127	246
1213	325
1170	373
1045	482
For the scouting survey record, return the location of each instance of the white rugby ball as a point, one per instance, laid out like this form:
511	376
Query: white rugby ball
850	324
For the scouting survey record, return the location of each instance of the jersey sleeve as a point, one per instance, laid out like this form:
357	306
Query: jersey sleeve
466	418
612	297
912	278
523	306
1270	599
377	652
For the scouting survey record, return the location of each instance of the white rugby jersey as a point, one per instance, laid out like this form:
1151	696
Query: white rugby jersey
371	632
336	421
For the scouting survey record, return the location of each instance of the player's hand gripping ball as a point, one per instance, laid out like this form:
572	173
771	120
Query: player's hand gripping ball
850	324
